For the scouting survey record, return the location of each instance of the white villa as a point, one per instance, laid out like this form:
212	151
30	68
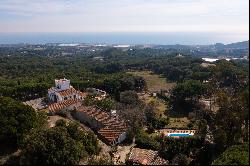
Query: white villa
65	99
64	91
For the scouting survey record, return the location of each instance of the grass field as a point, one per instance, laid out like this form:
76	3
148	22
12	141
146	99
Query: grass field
155	82
160	104
178	122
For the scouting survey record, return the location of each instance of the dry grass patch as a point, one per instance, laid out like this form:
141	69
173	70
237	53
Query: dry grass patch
178	122
155	82
160	104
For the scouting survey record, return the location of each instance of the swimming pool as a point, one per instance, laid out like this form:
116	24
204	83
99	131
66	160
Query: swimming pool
179	135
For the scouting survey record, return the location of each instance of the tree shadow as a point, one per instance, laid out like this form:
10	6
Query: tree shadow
183	109
6	149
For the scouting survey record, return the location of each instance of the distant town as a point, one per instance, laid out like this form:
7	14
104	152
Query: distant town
218	50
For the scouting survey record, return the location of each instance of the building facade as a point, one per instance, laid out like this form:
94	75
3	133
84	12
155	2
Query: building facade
64	91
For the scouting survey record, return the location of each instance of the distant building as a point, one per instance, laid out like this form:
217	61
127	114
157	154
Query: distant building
206	65
179	55
64	91
97	93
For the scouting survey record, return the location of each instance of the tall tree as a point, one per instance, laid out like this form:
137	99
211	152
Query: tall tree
17	119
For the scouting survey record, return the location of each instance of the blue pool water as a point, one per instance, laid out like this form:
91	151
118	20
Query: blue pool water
179	135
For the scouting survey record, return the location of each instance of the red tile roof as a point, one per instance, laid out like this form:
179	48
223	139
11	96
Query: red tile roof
55	107
71	91
146	157
114	127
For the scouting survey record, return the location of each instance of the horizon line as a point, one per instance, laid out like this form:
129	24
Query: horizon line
111	44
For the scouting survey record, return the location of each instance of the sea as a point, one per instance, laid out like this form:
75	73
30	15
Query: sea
164	38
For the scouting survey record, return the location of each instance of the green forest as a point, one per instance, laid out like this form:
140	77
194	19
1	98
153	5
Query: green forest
26	76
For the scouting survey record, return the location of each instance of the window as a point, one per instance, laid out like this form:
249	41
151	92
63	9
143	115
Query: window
65	98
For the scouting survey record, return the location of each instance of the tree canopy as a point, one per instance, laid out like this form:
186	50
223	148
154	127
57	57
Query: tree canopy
17	119
234	155
62	144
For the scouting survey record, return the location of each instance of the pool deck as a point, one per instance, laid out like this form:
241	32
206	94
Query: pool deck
169	132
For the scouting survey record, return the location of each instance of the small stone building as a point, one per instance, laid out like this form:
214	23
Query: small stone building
110	128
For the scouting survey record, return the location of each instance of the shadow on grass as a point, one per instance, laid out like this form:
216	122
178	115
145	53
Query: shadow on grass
182	110
177	113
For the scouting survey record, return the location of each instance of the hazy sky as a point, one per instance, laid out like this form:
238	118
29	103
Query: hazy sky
220	16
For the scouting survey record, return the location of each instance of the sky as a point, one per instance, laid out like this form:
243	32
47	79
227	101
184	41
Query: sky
228	17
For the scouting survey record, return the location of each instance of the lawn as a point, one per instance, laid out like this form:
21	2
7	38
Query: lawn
178	122
175	122
155	82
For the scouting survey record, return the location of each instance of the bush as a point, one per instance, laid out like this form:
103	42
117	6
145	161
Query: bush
129	97
180	159
142	140
172	146
234	155
62	145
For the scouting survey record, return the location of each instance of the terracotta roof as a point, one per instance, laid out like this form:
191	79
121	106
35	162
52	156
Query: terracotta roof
146	157
55	107
159	161
114	127
81	94
111	133
71	91
67	92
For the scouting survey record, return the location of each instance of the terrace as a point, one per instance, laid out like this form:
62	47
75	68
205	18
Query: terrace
177	133
37	104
